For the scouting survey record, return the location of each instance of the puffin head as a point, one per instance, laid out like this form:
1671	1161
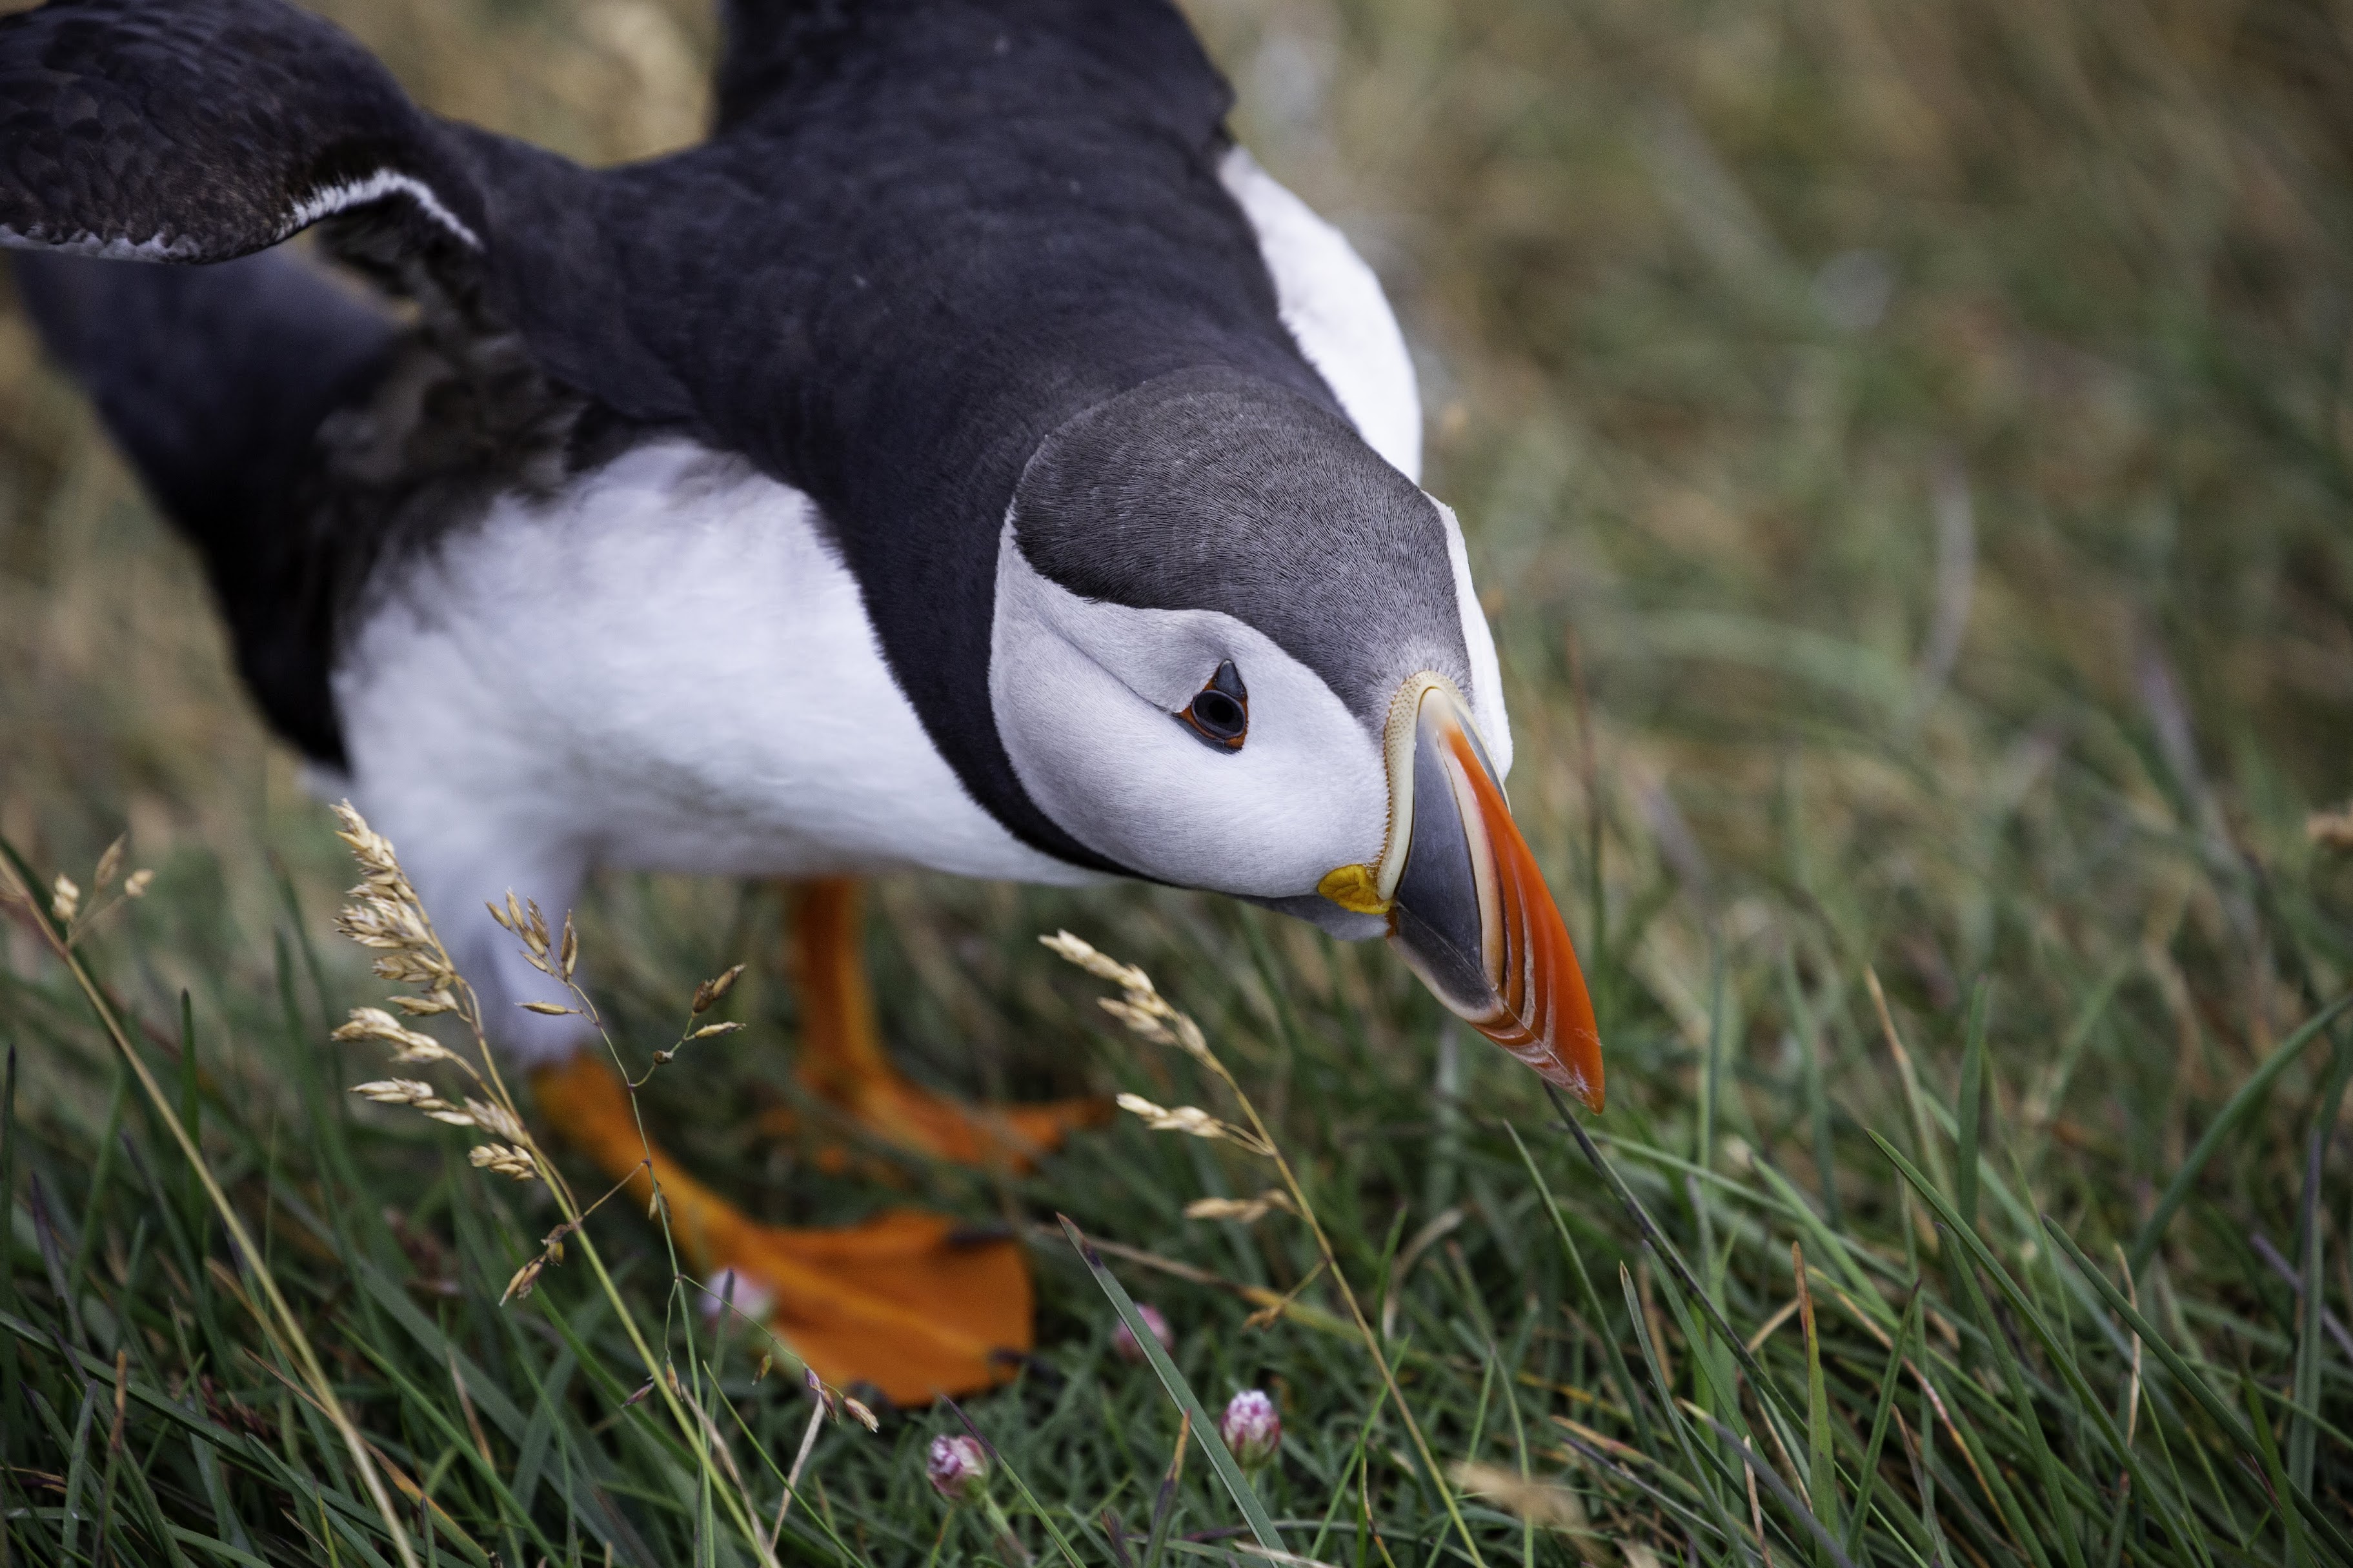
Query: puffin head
1235	649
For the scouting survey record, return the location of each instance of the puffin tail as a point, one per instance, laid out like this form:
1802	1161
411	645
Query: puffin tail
214	381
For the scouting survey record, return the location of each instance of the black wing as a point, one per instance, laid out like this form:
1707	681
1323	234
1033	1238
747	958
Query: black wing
198	130
202	131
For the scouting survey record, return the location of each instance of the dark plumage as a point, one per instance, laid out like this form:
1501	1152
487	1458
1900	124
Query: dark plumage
846	285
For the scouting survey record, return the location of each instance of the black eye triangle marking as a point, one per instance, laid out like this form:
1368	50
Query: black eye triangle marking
1220	712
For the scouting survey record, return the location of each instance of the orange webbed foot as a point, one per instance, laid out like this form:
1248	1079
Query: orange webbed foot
911	1303
916	1304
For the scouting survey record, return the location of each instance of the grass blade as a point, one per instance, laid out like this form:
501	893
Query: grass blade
1868	1474
2240	1106
1976	1252
2303	1434
2267	1450
1808	1030
1767	1388
1704	1477
1619	1373
2234	1430
21	883
1821	1467
1254	1514
1972	1107
1061	1543
1790	1499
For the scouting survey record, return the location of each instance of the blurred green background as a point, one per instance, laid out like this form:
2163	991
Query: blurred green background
1905	447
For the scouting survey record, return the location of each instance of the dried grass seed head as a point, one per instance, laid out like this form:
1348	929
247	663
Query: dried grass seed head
1102	965
408	1046
707	994
1146	1012
496	1120
1241	1211
110	864
1139	1021
65	898
521	1286
504	1158
1545	1504
379	865
402	1091
1189	1118
384	914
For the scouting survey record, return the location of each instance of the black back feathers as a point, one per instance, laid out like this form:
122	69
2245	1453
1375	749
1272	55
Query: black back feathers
929	233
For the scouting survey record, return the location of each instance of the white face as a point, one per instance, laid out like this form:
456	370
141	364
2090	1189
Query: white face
1086	696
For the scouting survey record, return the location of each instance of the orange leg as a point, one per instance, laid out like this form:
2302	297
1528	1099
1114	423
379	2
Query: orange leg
842	1061
901	1301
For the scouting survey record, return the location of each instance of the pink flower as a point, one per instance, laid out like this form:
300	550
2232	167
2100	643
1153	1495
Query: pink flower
1123	1338
1250	1428
958	1470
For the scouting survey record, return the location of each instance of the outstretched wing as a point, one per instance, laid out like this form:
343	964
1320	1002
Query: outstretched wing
197	132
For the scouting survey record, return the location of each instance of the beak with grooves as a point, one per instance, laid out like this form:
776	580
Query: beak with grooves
1467	910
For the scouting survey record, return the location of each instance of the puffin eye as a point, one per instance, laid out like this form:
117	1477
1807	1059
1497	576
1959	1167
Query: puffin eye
1219	711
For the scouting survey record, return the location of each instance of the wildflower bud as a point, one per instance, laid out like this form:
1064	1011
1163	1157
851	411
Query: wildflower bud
958	1469
65	898
1123	1338
1250	1428
136	886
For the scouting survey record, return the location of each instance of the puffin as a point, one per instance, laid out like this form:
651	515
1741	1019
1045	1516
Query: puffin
968	457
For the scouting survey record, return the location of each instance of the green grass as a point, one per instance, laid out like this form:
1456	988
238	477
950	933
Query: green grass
1906	448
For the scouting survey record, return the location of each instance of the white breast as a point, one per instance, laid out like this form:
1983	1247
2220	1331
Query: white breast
666	666
670	665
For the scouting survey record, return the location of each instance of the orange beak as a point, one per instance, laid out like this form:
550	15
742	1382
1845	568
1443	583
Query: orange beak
1468	909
